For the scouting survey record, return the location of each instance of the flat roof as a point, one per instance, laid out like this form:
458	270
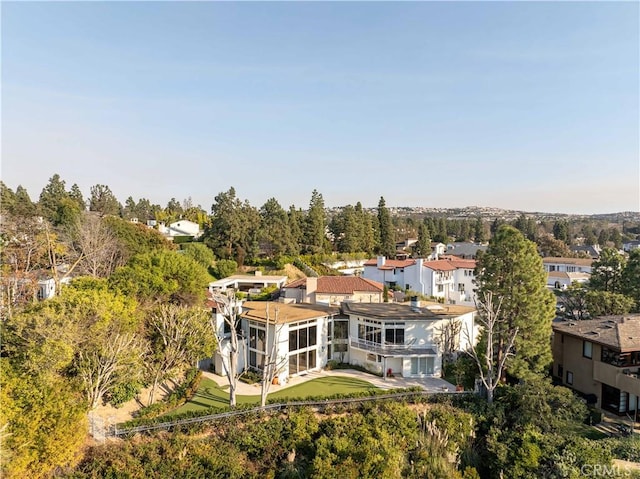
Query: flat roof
404	311
285	312
247	279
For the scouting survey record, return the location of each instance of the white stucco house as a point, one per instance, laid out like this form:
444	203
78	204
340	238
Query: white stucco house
180	228
562	272
300	332
402	339
450	279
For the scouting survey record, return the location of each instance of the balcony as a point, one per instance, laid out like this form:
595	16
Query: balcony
393	349
625	379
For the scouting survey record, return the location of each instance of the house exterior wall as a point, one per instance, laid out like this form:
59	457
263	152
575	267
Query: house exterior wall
568	354
463	287
589	374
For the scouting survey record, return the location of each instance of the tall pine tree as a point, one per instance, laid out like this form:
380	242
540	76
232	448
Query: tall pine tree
387	237
512	270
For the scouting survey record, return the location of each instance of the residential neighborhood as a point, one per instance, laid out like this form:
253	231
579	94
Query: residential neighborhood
320	240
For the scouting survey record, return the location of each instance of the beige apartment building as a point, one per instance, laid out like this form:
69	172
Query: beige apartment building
601	359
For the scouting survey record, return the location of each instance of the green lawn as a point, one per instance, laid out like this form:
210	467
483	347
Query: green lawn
209	394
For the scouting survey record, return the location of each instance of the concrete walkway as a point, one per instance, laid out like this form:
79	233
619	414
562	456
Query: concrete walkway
434	385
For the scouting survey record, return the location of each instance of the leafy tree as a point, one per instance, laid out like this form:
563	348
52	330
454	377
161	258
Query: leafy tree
561	231
295	227
479	235
387	239
136	238
275	232
615	237
631	278
179	336
346	231
512	270
200	253
549	246
103	201
51	197
23	254
162	276
574	299
422	248
605	303
364	220
7	198
233	230
43	421
76	195
314	231
224	268
129	209
23	207
606	271
589	234
87	332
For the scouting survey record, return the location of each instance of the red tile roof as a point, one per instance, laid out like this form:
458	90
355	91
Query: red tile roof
340	284
463	263
347	285
439	265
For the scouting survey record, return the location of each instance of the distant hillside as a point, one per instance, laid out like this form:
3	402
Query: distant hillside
489	213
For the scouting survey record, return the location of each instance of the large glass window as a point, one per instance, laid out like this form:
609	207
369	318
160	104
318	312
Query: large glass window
587	349
394	335
340	329
422	365
370	331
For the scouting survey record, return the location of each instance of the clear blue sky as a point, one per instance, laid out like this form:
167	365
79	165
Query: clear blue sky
531	106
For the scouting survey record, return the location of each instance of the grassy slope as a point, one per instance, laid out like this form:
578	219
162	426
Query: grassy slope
209	394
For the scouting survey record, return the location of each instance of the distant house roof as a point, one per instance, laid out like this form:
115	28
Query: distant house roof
391	263
574	261
621	333
465	250
592	251
285	313
439	265
462	263
340	285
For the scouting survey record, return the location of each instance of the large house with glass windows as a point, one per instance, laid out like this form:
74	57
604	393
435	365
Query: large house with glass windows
600	358
401	339
406	339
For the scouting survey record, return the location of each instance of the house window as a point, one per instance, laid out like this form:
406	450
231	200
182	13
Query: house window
394	333
374	358
440	288
461	287
340	329
422	365
560	371
257	347
587	349
569	380
302	337
370	331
